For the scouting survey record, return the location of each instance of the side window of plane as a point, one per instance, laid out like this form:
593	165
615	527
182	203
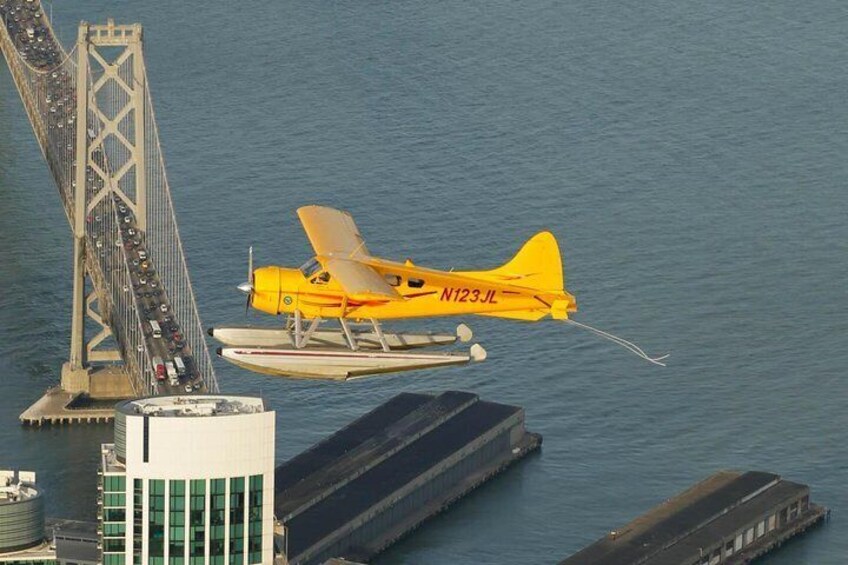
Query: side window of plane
310	268
322	278
415	283
393	280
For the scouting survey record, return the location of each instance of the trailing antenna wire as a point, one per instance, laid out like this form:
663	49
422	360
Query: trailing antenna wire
622	342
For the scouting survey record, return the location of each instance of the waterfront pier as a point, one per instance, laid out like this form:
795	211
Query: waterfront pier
730	517
374	481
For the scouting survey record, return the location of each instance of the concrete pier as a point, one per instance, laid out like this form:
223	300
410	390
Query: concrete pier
57	407
83	398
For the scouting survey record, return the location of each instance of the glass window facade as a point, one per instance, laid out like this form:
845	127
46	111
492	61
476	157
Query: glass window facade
197	522
156	522
254	516
217	520
237	508
114	523
138	520
183	522
176	523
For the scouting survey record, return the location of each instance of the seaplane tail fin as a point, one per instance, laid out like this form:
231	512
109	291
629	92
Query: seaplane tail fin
537	265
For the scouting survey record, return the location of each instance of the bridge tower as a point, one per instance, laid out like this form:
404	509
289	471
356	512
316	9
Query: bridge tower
110	106
92	114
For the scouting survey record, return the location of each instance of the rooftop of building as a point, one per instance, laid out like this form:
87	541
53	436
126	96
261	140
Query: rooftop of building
349	473
109	461
17	486
75	541
192	406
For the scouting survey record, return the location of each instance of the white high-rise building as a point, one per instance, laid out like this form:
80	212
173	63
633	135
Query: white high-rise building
189	481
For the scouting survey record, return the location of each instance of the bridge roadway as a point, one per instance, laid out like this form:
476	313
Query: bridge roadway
152	297
35	43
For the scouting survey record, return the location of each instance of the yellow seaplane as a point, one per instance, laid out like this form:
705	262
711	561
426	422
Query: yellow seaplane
346	283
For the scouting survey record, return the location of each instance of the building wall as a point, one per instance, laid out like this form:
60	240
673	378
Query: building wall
196	490
781	515
21	523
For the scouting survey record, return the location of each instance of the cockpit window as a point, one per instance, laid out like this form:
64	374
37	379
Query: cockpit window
310	267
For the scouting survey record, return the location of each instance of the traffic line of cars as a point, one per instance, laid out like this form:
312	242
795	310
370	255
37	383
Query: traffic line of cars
172	362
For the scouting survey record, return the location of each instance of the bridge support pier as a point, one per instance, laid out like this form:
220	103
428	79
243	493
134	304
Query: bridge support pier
75	379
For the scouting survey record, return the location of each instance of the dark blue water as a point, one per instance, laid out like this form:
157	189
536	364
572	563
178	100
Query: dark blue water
690	156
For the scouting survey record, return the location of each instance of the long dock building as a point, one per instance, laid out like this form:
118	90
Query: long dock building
361	489
729	518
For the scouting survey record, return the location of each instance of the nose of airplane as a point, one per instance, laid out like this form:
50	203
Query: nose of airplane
245	287
264	293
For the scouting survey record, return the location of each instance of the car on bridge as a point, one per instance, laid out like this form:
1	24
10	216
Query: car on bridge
159	367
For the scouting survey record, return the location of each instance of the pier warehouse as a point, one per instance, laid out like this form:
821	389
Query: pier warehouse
359	490
728	518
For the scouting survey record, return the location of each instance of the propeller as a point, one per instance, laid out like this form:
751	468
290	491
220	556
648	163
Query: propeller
247	287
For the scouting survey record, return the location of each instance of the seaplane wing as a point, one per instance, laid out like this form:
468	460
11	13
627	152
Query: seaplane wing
360	281
332	232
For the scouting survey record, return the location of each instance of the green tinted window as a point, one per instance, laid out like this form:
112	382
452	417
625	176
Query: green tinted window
114	515
113	545
197	521
114	529
156	522
218	486
113	483
254	539
113	499
198	487
138	520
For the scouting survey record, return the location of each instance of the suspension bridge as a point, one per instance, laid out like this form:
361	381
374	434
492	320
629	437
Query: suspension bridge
91	111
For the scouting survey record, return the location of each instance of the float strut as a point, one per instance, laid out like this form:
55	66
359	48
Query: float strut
297	340
379	331
348	335
308	335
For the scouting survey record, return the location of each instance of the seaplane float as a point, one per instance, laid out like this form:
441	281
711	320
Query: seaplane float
346	284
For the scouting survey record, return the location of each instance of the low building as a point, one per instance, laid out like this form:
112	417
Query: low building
76	542
729	518
21	512
190	480
358	491
22	538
